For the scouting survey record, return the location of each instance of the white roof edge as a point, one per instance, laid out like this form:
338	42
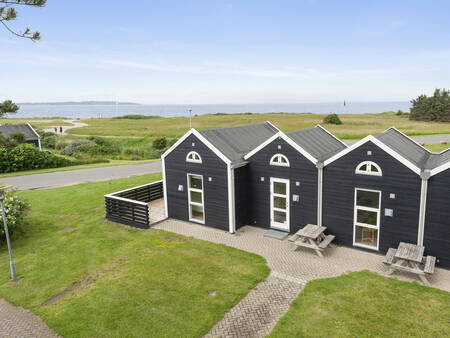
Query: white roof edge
272	125
331	134
194	132
34	131
440	169
286	138
380	144
402	133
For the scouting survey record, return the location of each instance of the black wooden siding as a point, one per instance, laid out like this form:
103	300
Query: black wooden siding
301	170
33	142
339	186
437	218
215	192
241	196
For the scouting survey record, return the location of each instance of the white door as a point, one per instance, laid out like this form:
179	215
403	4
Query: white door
367	218
196	198
279	203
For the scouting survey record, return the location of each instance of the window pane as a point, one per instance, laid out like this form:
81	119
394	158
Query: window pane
279	216
196	197
196	182
279	188
282	160
366	217
366	236
279	202
363	168
197	212
373	169
368	198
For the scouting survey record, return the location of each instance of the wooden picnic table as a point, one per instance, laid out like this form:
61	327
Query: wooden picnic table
409	257
312	236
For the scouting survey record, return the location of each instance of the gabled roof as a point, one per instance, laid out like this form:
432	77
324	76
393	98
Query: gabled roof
25	128
318	142
232	143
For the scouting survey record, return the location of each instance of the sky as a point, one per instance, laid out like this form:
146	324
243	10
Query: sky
179	52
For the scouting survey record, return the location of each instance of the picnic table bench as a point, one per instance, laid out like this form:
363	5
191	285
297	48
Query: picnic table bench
312	236
409	257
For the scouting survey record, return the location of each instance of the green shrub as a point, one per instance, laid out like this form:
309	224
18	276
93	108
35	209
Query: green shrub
332	119
77	146
28	157
48	140
433	108
160	142
14	209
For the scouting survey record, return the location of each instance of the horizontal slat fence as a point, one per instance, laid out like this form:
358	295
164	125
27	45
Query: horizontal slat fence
130	206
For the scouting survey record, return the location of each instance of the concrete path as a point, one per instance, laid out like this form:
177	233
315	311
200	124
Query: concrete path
18	322
76	124
257	313
62	178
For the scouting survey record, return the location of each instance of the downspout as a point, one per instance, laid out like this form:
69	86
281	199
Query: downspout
163	163
39	142
319	166
424	175
231	200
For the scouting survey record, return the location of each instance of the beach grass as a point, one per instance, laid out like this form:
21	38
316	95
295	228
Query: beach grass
355	126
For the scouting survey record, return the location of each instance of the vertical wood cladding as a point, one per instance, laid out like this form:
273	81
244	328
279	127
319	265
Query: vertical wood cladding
301	170
339	185
215	191
437	218
241	196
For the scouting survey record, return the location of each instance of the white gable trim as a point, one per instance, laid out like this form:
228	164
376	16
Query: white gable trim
380	144
288	140
400	132
272	125
34	131
202	139
440	169
331	134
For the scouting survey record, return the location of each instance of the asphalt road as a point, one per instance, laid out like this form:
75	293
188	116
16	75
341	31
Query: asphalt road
62	178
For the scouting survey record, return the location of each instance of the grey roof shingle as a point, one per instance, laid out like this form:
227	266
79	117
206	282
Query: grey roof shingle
317	142
413	152
8	129
235	142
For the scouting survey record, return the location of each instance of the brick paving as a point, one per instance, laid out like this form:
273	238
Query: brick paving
257	313
18	322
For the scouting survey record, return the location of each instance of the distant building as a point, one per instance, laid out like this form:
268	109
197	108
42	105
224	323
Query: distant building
31	136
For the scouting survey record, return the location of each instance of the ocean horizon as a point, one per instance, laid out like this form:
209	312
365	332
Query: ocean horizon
84	111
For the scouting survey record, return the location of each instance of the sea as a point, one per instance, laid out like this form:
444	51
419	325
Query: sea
84	111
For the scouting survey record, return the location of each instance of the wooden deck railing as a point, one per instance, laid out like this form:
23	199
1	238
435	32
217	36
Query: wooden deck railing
130	206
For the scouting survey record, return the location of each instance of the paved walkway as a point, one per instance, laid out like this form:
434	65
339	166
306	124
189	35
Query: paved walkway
18	322
257	313
62	178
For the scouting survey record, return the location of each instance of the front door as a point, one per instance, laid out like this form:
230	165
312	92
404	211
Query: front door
279	203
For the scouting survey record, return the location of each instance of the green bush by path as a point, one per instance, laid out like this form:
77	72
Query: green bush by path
15	207
28	157
160	142
364	304
117	281
332	119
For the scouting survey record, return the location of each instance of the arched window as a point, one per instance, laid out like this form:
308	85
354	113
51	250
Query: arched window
194	157
280	160
368	168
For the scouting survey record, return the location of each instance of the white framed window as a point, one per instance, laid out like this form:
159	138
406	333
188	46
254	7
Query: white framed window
196	198
369	168
279	160
366	226
194	157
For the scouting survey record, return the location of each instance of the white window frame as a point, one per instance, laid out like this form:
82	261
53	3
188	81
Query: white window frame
369	171
202	191
193	160
356	223
275	160
273	224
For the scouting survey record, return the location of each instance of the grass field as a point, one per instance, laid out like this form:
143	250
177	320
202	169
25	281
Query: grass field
437	148
105	280
38	122
353	127
111	163
363	304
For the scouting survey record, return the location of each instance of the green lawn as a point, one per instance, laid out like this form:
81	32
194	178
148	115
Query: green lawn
111	163
116	281
363	304
38	122
354	126
437	148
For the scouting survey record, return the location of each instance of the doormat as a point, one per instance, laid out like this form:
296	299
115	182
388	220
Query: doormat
276	234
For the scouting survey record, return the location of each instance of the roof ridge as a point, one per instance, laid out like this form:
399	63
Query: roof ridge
232	127
407	137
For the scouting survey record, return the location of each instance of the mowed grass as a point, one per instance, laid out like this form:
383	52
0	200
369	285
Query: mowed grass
37	122
111	163
107	280
363	304
354	126
437	148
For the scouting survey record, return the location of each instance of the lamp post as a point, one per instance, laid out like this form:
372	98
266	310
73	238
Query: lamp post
3	189
190	117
